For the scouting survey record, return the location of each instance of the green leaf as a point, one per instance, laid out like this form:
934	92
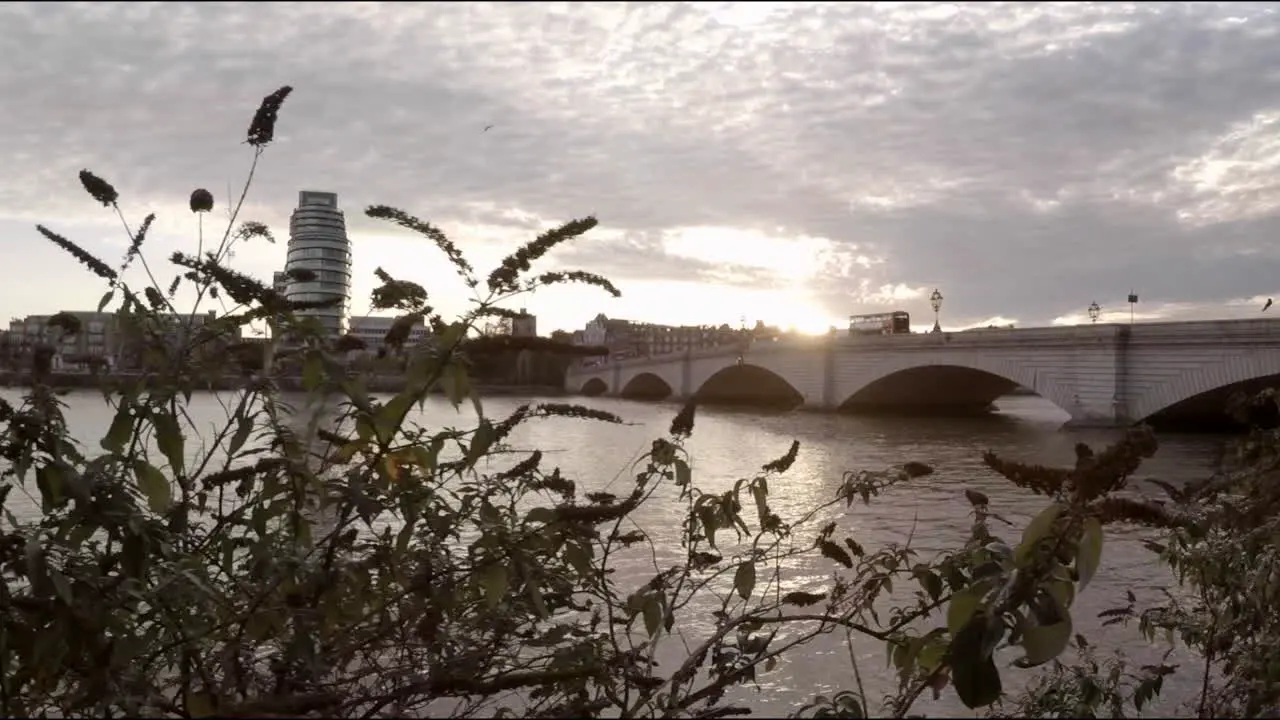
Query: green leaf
835	552
169	440
258	625
456	384
964	604
536	599
542	515
481	441
1063	592
652	611
199	704
973	670
710	523
106	298
744	579
803	599
932	651
1037	530
50	480
33	554
78	534
154	486
1089	553
931	583
244	426
578	554
121	428
313	371
391	415
760	493
1043	643
684	475
61	585
493	581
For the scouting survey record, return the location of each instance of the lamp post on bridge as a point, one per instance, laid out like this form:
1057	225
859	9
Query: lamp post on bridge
1094	311
936	301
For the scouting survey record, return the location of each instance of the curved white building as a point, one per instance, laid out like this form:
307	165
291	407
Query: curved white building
318	242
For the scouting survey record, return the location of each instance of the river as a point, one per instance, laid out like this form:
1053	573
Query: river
728	444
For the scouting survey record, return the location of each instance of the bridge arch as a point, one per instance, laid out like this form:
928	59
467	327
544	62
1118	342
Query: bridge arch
594	386
968	384
646	386
748	384
1208	384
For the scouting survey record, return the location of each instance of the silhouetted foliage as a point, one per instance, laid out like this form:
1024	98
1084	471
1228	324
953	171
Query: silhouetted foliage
352	562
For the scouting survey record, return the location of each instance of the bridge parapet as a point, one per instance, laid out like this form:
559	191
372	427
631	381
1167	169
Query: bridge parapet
1184	333
983	338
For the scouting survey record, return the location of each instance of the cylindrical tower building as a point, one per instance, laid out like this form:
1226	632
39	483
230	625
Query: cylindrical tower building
318	242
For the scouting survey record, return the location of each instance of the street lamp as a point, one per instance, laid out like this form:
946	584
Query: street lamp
936	301
1094	311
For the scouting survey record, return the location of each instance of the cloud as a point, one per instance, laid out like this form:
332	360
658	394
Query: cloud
1026	159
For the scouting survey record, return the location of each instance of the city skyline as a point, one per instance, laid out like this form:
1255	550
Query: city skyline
790	163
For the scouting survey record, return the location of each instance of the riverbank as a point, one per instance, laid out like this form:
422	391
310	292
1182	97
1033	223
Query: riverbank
374	383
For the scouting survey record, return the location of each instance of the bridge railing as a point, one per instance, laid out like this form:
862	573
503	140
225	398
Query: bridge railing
1183	332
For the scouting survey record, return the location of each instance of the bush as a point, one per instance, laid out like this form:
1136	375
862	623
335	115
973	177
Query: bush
347	561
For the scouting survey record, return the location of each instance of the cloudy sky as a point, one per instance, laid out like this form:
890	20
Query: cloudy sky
791	162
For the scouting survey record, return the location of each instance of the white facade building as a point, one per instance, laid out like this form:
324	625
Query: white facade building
372	329
318	242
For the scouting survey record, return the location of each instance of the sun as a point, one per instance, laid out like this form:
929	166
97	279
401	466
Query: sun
792	309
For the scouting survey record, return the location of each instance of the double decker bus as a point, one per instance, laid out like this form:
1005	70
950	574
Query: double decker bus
890	323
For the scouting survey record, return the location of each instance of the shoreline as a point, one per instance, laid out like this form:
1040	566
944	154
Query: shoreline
376	384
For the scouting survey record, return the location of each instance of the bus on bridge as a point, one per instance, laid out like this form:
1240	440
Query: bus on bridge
890	323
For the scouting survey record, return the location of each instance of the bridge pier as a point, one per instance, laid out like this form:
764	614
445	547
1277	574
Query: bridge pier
1098	415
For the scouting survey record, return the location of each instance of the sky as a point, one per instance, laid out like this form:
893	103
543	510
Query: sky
788	162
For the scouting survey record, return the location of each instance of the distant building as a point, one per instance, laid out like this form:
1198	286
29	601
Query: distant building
102	339
628	339
318	242
176	330
372	330
97	342
524	325
665	339
280	284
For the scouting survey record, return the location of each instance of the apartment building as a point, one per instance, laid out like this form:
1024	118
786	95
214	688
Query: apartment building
102	341
372	329
629	339
97	342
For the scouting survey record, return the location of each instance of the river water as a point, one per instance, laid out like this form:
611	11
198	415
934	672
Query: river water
729	444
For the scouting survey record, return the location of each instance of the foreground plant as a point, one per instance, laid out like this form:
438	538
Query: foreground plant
351	562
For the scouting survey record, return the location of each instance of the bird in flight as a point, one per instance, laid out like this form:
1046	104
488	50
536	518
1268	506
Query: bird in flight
1264	307
486	128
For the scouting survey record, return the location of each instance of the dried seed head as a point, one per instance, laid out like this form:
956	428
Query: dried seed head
682	424
100	189
201	200
263	128
87	259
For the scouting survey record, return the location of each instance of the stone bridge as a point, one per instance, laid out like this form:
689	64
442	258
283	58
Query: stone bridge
1102	375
